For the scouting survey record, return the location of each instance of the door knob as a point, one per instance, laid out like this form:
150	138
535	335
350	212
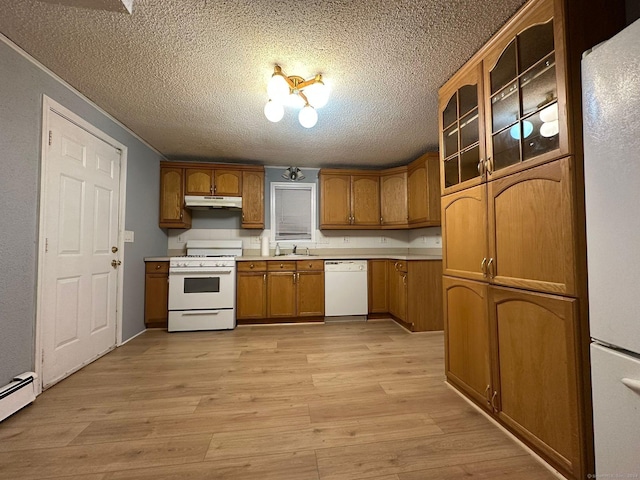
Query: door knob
115	263
114	249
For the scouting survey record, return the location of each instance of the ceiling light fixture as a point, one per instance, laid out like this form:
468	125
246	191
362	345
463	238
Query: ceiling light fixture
293	174
297	92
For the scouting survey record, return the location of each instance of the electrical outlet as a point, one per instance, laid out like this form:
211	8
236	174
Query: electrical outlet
346	239
438	240
383	239
424	239
255	239
180	239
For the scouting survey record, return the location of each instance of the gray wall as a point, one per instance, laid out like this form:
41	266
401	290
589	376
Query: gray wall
22	85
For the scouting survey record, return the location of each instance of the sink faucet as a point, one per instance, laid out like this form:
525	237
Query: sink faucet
294	249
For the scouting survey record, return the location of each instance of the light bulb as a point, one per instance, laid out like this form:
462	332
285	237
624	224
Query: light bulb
317	94
273	111
278	88
308	116
549	129
550	113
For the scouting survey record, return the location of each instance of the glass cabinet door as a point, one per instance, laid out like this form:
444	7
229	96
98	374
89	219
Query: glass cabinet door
461	142
523	99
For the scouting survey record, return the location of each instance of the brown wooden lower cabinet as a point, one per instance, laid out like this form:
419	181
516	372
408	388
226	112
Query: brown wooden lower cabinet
251	299
410	291
377	294
156	294
276	291
513	353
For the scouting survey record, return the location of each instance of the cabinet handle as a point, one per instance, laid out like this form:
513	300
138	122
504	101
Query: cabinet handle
294	278
381	221
243	216
251	266
493	400
395	265
404	280
211	189
281	265
489	165
483	267
490	268
481	167
215	188
180	215
487	392
264	278
158	267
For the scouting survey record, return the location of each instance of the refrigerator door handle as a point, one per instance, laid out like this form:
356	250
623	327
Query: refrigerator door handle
632	384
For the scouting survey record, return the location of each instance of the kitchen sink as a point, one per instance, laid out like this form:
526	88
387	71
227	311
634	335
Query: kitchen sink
300	255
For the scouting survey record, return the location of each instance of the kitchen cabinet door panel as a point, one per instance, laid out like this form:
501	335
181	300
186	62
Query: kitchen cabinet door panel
464	233
253	199
536	375
172	211
198	181
281	291
310	294
393	199
467	340
532	237
377	273
335	200
252	295
365	191
227	182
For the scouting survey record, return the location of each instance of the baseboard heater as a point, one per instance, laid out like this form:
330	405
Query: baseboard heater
17	394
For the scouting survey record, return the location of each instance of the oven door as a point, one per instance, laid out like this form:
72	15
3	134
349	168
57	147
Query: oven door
202	288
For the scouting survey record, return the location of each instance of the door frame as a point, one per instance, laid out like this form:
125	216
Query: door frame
50	105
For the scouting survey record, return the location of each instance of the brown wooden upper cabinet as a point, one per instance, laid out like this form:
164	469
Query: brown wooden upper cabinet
213	181
172	211
349	199
253	199
423	191
507	110
393	198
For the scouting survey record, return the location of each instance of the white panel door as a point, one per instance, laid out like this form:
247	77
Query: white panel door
79	289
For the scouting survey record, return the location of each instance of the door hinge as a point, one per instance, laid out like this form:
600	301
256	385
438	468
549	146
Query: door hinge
50	137
46	245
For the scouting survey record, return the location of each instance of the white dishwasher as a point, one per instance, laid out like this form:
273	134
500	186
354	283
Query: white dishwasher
345	289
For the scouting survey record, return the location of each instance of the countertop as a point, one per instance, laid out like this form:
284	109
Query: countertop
342	256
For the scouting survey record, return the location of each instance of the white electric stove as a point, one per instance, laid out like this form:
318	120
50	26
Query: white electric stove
202	286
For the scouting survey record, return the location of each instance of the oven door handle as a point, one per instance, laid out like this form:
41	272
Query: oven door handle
200	312
198	271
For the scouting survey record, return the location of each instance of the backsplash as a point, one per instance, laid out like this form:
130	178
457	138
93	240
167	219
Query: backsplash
325	239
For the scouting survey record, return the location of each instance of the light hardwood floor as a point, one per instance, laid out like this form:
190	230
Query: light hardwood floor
323	401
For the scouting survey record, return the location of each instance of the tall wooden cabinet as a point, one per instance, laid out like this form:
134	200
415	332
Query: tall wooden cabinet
514	254
423	196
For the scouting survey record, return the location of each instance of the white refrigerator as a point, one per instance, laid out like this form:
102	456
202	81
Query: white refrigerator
611	104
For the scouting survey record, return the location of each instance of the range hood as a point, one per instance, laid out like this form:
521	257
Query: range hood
205	202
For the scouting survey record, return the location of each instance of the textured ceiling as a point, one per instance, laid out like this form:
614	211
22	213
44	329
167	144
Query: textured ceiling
189	76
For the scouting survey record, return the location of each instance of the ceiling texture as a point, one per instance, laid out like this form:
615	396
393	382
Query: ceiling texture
189	76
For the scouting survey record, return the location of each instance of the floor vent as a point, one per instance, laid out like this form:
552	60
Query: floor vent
17	394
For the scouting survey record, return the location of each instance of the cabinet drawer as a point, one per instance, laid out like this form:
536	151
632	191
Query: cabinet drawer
259	266
157	267
281	266
310	265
